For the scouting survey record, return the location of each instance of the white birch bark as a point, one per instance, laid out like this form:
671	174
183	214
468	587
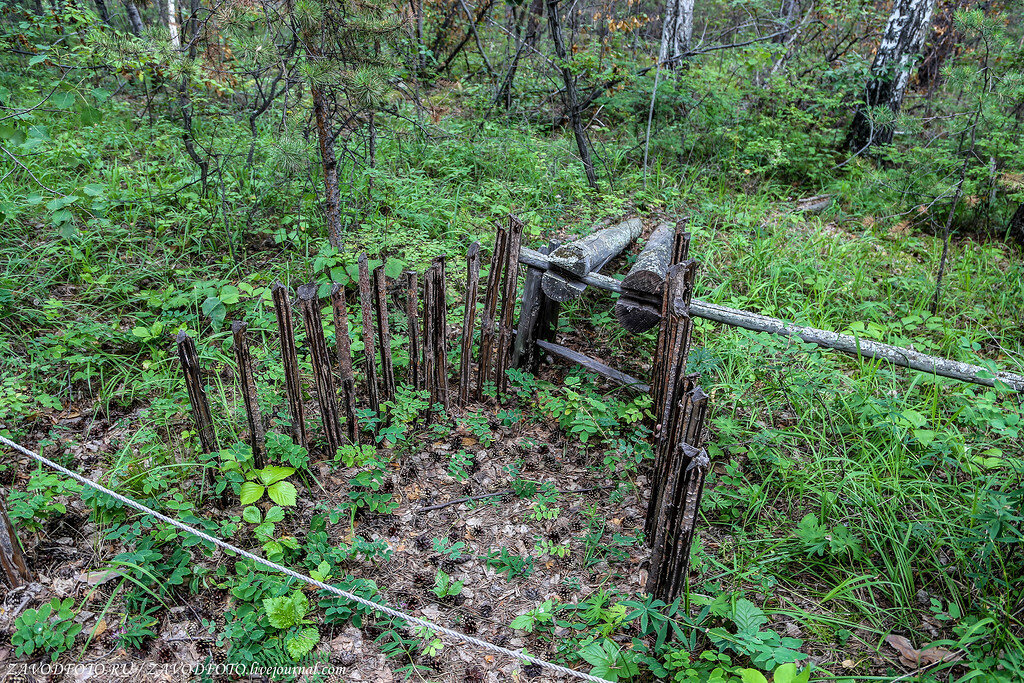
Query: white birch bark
897	54
676	30
172	24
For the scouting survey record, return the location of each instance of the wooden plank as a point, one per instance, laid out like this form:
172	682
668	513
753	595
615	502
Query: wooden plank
468	320
529	315
344	350
326	394
596	366
369	352
380	302
12	558
197	397
290	361
508	306
247	383
412	316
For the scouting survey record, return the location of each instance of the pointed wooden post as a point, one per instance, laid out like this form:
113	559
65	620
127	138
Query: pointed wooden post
411	315
508	306
326	395
12	559
441	308
366	301
290	361
247	383
487	331
344	349
468	320
387	367
197	397
525	353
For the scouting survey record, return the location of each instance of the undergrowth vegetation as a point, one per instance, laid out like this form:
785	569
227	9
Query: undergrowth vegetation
849	501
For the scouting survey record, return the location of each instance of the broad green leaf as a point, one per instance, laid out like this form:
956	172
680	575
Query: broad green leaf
251	492
63	100
753	676
748	616
252	514
300	644
274	473
229	295
275	514
283	493
524	622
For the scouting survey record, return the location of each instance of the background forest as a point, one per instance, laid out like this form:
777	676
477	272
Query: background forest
853	165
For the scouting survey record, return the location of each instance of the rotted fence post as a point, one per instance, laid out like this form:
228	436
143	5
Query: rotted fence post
487	329
508	306
469	317
290	361
344	349
435	326
247	383
525	353
197	397
11	556
673	344
366	301
387	367
326	395
412	316
441	307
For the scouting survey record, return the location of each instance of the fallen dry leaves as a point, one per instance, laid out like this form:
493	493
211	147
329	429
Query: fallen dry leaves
911	656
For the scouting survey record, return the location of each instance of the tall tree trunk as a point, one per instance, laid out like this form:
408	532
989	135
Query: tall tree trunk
890	71
172	24
788	11
533	15
571	98
325	136
1015	228
676	30
134	18
101	9
943	41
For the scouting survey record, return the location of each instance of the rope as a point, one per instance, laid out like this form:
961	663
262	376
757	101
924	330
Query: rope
384	609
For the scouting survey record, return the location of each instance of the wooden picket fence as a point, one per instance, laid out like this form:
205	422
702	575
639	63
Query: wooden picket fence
679	405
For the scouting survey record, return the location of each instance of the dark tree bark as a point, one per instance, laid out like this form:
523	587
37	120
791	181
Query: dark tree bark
329	160
571	97
1015	228
101	9
890	70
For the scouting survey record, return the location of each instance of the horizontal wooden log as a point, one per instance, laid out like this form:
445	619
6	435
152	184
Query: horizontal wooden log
595	366
589	253
863	348
648	273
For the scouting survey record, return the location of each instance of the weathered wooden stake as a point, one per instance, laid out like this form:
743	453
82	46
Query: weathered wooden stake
508	305
12	559
344	350
441	304
525	351
487	331
380	300
366	301
290	361
468	320
247	383
326	394
411	314
673	344
197	397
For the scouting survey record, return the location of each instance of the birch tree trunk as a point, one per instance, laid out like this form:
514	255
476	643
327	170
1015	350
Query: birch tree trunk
890	71
676	31
134	18
172	24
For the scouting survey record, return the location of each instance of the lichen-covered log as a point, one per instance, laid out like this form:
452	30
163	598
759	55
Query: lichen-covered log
907	358
648	273
570	263
590	253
